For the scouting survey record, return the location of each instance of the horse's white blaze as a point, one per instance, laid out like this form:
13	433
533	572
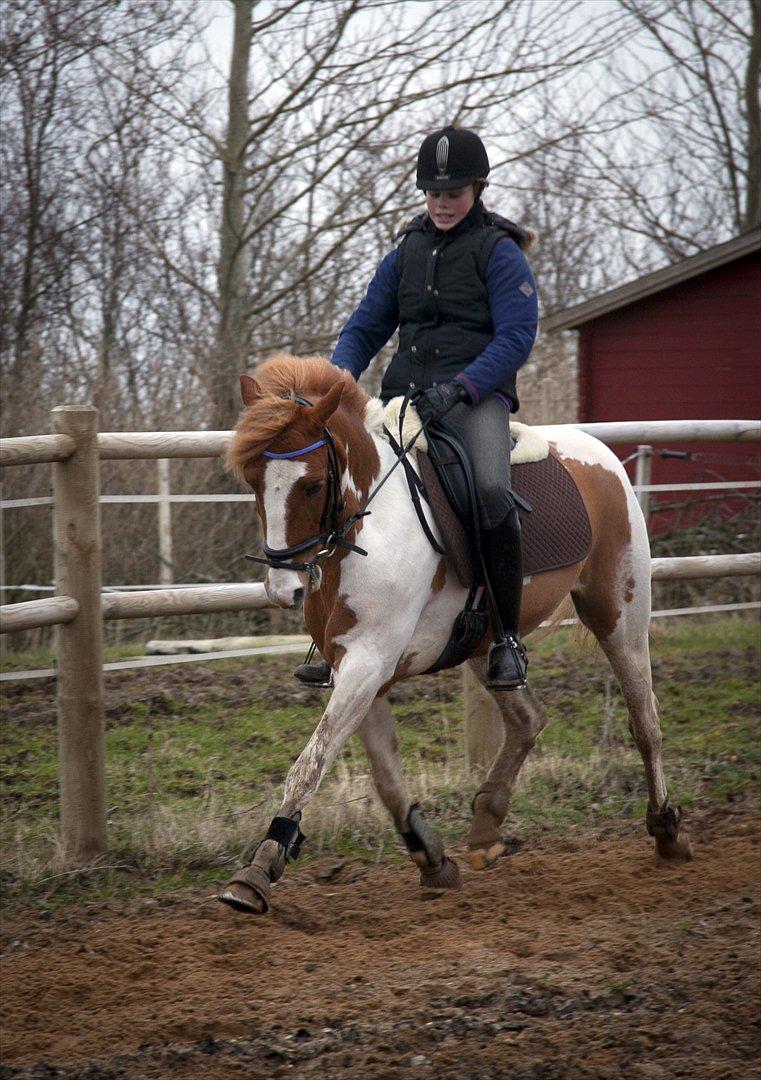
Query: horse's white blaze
279	478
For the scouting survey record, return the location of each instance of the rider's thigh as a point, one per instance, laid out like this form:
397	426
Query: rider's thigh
484	430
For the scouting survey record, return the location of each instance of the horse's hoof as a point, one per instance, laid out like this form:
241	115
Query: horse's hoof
249	891
444	876
677	850
483	858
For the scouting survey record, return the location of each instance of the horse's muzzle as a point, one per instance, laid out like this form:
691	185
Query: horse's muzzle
284	588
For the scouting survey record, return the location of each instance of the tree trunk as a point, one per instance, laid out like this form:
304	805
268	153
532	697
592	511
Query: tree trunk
753	190
232	272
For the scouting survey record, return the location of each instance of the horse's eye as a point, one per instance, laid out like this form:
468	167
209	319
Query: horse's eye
313	488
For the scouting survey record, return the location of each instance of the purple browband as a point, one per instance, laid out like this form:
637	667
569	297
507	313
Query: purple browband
295	453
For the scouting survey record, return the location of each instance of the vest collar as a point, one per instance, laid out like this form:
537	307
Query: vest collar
474	219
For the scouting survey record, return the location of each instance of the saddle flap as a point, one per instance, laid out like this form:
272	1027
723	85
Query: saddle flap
555	534
453	535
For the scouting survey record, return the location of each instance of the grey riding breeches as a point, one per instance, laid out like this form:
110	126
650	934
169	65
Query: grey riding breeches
484	431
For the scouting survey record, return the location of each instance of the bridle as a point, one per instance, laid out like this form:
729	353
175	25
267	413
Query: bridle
332	534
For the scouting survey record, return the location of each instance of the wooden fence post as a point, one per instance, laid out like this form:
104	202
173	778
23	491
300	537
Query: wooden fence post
166	568
81	721
642	477
483	722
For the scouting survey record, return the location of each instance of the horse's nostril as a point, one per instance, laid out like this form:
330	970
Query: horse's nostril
298	597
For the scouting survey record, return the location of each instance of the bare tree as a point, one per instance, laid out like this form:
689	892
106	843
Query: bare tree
317	163
686	169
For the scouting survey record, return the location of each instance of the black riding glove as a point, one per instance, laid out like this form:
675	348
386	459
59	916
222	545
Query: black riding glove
436	402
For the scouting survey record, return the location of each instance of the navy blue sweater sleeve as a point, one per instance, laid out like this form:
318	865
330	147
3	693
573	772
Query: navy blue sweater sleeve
515	313
373	322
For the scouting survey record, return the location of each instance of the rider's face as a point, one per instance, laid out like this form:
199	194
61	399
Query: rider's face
447	208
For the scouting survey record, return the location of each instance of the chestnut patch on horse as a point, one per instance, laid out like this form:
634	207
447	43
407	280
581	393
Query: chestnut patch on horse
440	576
342	620
274	420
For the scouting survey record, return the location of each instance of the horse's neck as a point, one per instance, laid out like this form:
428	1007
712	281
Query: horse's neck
388	590
393	524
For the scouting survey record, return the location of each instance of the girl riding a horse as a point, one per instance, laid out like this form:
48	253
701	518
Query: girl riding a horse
460	291
343	537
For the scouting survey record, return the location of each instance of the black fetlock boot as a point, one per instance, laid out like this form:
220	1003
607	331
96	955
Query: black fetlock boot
503	565
319	674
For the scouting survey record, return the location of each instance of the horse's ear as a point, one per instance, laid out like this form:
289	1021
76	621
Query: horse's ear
250	390
328	404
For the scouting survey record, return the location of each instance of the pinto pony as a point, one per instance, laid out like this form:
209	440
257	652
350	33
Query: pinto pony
310	441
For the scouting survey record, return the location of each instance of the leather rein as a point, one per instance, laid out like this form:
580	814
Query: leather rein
332	534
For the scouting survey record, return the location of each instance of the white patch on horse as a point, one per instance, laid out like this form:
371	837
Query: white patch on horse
390	607
279	478
374	415
348	482
571	442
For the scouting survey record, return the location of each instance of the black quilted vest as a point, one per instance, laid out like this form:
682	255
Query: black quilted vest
444	316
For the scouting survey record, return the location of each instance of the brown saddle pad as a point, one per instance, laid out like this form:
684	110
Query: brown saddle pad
555	533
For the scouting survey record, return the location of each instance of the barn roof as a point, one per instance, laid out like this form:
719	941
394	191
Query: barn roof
675	274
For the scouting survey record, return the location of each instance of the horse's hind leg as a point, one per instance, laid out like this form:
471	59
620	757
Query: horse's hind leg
437	871
627	648
523	718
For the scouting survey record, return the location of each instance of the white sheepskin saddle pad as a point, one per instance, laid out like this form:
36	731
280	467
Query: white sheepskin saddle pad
529	444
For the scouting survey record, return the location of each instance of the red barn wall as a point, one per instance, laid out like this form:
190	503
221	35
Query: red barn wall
690	352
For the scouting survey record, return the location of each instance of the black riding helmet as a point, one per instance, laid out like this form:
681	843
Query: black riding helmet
451	158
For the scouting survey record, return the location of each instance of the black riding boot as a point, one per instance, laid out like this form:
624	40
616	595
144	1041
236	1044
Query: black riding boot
503	564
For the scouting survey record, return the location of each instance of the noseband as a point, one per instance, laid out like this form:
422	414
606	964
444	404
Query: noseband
332	533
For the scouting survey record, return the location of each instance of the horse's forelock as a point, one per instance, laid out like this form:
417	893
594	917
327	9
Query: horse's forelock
309	377
258	426
281	379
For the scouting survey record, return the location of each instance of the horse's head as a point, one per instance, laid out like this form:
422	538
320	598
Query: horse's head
280	449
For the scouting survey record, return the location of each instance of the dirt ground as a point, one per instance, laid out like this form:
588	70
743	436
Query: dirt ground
576	956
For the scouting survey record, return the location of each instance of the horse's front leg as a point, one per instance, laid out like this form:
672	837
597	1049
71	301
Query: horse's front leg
357	681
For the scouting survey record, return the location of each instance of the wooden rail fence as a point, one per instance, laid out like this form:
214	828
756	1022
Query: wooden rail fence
75	450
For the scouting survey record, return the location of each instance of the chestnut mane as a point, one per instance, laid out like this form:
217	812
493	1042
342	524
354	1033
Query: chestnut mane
281	379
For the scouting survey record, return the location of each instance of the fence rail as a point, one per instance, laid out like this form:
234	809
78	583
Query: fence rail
205	599
75	451
192	497
51	611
